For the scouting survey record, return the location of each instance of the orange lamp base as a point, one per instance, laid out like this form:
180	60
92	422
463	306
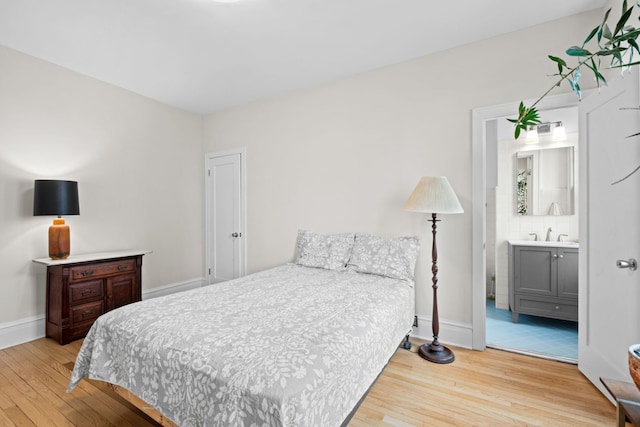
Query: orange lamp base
59	240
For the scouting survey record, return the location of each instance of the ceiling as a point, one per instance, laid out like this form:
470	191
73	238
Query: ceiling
205	56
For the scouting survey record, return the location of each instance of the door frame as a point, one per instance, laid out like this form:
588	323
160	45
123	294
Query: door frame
243	211
479	117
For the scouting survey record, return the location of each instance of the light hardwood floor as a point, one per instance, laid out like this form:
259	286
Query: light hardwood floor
490	388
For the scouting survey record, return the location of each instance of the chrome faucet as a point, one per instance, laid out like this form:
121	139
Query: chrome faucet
548	239
560	237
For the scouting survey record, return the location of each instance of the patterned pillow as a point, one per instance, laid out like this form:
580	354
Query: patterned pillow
389	257
330	252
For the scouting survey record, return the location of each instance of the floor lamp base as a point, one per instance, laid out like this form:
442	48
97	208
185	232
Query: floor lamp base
436	353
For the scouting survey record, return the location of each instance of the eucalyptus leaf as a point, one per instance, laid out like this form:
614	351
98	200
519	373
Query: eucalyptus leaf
577	51
590	36
561	63
631	34
626	65
558	60
606	17
623	19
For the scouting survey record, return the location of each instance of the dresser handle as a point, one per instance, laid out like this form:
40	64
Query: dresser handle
122	267
87	312
87	273
86	292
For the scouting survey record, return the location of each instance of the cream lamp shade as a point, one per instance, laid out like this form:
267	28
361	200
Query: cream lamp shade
433	194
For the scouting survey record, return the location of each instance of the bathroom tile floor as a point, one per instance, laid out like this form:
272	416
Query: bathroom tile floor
538	336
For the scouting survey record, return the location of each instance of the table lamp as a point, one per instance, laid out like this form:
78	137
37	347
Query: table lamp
55	197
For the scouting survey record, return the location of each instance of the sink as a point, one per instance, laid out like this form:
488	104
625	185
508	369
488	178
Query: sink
553	244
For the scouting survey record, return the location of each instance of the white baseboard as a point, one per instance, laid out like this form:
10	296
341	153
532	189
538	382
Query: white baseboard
458	334
31	328
173	288
21	331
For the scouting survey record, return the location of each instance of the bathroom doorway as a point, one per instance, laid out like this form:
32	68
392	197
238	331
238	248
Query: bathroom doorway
531	196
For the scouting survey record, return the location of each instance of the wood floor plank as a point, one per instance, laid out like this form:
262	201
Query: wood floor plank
48	383
18	418
17	388
490	388
5	420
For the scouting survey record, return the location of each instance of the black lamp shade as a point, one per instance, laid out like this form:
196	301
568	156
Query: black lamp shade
54	197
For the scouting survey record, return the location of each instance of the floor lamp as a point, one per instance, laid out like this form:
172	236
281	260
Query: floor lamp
434	195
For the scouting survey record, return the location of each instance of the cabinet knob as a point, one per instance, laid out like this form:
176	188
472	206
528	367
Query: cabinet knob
86	273
557	307
560	256
555	255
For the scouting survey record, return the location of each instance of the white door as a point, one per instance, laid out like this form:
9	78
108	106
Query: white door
609	301
224	217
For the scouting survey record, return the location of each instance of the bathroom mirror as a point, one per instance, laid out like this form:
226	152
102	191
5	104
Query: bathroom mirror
545	181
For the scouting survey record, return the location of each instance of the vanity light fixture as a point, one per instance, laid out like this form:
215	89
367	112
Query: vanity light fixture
556	129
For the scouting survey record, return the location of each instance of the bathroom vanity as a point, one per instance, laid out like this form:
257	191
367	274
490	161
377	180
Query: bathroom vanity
543	279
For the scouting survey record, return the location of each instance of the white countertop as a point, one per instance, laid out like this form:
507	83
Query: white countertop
552	244
92	257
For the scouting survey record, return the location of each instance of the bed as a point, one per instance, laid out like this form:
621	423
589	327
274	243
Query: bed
295	345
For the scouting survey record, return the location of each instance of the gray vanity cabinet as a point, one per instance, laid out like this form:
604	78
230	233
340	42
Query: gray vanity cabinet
543	281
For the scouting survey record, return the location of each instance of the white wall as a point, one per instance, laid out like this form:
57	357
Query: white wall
139	169
346	155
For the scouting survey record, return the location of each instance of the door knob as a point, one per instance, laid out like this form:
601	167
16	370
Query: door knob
631	264
236	234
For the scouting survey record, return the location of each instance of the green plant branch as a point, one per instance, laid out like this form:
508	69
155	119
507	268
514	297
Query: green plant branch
618	45
522	114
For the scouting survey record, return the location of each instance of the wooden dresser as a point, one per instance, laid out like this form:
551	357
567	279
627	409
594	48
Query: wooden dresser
82	287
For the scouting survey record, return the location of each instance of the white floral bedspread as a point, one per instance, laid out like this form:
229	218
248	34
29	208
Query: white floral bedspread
289	346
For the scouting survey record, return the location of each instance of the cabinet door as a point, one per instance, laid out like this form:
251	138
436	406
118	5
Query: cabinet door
568	273
121	290
535	273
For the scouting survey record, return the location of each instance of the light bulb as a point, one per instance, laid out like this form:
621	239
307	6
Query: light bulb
532	135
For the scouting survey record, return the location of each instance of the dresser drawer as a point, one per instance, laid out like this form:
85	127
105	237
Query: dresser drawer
555	308
104	269
86	291
86	312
